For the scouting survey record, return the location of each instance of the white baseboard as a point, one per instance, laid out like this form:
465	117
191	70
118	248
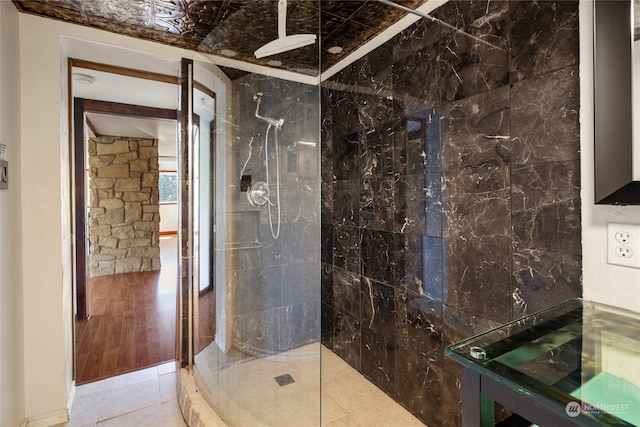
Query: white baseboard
71	397
52	419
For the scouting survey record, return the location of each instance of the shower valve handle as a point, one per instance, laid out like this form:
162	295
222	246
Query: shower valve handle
258	194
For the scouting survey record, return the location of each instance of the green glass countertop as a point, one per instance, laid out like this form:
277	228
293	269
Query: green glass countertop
577	351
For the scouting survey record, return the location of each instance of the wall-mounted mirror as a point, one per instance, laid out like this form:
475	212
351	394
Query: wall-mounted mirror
617	166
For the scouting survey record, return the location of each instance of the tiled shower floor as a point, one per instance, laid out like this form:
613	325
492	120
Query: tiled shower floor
348	398
148	397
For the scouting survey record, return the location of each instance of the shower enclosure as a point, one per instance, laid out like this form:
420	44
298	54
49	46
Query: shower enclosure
250	233
441	210
267	256
251	261
263	311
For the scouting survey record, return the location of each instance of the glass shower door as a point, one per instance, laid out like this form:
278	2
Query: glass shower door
262	364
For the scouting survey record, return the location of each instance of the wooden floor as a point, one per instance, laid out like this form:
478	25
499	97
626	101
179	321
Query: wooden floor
132	321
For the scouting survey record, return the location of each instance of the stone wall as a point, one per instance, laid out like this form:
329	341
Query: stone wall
124	218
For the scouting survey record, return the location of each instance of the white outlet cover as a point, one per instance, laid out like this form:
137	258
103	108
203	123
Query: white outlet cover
617	252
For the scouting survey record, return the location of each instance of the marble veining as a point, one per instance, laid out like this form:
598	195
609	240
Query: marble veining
272	282
544	122
451	188
543	37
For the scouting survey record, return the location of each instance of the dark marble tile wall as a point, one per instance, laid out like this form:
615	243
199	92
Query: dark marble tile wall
450	191
274	282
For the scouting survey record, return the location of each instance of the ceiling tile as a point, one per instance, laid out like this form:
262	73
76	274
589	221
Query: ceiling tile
240	25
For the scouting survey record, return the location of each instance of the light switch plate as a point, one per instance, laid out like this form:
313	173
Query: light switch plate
623	244
4	174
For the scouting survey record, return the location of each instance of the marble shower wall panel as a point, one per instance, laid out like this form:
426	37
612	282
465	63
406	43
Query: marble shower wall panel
543	37
419	44
545	118
327	171
275	290
347	253
450	192
346	202
475	58
476	148
545	192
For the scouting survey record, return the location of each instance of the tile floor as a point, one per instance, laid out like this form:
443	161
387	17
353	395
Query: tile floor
145	398
348	399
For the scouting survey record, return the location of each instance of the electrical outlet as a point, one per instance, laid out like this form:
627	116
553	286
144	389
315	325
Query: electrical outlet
623	244
624	252
623	237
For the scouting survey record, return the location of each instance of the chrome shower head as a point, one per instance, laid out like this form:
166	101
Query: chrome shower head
284	43
273	122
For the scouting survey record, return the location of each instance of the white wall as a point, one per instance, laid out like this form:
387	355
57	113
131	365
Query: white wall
44	46
609	284
11	313
636	110
169	218
44	328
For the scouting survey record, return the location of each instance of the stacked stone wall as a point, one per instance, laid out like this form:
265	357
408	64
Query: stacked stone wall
124	213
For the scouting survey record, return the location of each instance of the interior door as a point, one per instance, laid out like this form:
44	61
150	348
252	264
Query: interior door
196	220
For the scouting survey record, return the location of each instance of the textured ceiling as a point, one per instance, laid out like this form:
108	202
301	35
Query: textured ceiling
211	26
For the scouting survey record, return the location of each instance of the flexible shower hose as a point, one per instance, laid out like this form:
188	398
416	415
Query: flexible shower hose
275	234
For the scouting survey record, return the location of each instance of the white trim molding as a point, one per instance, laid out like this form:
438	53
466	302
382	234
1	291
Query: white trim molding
48	420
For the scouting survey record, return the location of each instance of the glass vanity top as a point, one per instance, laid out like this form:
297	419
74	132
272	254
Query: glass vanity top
577	351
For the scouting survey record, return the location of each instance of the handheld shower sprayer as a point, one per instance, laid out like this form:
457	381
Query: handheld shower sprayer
273	122
259	193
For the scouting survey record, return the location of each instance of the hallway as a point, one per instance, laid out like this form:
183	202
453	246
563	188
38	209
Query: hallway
133	320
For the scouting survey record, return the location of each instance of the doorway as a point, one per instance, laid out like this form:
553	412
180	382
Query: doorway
126	271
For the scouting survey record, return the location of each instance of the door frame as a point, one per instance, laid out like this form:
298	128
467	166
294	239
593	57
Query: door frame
77	163
81	108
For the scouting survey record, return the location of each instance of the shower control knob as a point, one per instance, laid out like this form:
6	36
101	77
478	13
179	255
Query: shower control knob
258	194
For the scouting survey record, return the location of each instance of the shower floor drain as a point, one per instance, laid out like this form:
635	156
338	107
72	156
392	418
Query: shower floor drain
285	379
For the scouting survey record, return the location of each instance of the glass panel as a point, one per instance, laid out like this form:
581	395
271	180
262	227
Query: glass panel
577	351
204	107
267	298
261	363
